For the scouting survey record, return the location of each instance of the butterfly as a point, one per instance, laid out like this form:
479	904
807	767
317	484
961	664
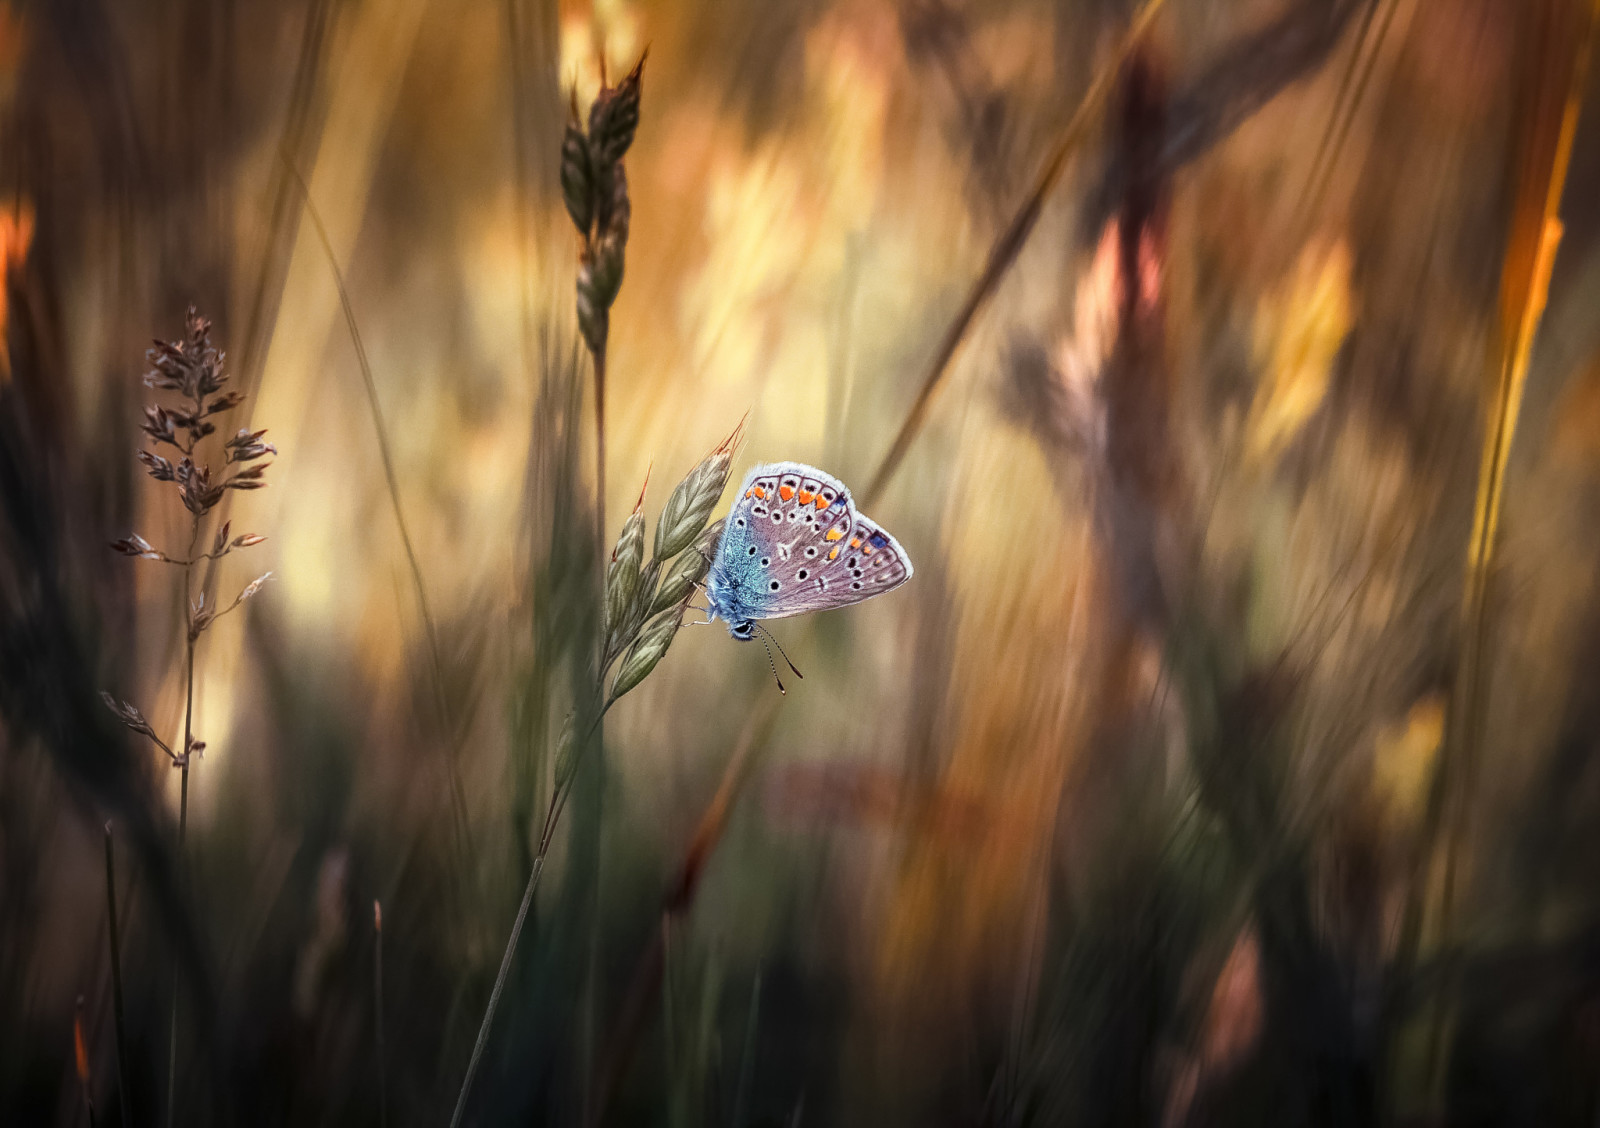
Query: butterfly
794	542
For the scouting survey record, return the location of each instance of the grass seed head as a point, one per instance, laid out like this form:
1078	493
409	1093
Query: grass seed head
691	503
622	578
650	647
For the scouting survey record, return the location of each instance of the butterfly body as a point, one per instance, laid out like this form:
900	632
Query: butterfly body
793	543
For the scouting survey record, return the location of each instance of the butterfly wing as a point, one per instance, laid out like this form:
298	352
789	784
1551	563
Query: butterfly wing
795	543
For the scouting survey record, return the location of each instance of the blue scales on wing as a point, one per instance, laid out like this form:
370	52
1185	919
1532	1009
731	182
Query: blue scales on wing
794	542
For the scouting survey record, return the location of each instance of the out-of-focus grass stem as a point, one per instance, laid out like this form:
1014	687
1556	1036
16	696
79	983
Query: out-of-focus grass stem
1534	235
546	836
1006	249
377	1003
392	481
120	1024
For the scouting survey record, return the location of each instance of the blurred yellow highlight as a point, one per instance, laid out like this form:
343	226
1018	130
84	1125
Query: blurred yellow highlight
1299	330
1402	762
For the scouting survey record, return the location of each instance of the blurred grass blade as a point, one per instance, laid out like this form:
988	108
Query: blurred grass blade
1006	249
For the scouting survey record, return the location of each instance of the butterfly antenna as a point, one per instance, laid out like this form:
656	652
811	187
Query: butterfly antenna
779	645
774	667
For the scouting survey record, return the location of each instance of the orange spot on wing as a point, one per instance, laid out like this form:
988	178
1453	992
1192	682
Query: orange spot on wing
805	497
759	492
833	535
822	502
750	493
868	550
834	555
855	542
785	492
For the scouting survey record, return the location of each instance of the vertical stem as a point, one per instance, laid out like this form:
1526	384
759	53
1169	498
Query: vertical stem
116	981
600	461
183	802
377	996
747	1057
546	834
590	1022
499	986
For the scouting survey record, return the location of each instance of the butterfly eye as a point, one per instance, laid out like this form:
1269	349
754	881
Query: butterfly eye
752	550
811	552
740	522
773	586
856	573
801	574
777	518
765	560
856	585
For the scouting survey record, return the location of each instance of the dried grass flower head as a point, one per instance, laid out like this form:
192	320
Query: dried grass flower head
194	372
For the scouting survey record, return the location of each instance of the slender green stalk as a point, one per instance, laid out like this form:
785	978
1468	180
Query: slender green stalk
747	1057
591	985
558	799
116	980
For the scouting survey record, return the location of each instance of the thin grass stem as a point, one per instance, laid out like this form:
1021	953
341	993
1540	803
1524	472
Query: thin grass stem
118	1013
1525	277
1006	249
392	482
499	987
377	1002
747	1056
547	832
183	802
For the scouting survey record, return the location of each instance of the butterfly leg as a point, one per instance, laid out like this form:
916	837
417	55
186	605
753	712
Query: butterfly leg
709	617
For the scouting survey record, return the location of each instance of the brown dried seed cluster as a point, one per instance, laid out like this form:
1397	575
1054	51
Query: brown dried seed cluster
193	370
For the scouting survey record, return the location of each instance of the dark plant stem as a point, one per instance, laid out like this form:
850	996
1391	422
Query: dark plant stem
552	816
183	801
116	981
600	463
377	998
591	985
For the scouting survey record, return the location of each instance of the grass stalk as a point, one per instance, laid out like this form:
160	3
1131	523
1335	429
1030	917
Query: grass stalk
552	816
591	988
1003	254
392	482
1534	236
377	1004
183	800
194	369
747	1056
117	1010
